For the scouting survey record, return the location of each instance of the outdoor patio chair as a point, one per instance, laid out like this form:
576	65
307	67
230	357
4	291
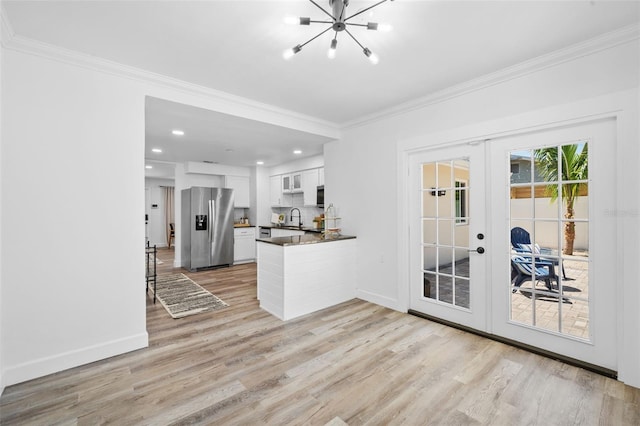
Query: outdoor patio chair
523	268
521	243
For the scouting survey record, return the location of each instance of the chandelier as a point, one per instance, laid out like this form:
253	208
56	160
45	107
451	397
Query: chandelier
338	23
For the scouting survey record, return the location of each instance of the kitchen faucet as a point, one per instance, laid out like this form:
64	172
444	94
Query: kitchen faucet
299	216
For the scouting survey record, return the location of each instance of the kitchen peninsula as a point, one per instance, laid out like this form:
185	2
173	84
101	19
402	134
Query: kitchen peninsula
301	274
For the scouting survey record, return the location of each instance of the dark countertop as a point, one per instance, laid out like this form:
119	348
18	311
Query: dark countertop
313	238
293	228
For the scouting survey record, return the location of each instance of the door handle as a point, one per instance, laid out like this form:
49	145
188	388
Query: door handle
479	250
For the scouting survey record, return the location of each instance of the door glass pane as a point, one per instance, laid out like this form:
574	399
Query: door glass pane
521	166
521	202
429	175
429	231
545	165
549	251
445	232
444	175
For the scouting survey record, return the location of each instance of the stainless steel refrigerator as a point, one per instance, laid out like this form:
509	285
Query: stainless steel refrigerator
207	227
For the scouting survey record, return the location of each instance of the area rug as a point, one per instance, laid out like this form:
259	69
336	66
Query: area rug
182	297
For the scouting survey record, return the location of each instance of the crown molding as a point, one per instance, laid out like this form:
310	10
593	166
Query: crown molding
606	41
26	45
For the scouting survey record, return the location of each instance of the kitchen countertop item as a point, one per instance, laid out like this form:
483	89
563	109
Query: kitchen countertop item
311	238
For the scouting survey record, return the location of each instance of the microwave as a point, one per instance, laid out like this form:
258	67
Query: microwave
320	197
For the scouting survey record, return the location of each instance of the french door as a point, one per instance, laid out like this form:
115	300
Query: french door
557	188
447	235
516	237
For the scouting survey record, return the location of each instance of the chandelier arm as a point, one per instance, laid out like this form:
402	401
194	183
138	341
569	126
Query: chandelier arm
355	25
343	11
313	38
322	9
325	22
363	10
354	39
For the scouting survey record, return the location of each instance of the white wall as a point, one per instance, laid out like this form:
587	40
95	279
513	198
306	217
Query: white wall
72	185
364	181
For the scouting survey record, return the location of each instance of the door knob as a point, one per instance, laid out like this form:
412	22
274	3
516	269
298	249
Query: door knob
479	250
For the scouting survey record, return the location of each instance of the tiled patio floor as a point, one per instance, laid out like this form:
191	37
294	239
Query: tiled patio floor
574	308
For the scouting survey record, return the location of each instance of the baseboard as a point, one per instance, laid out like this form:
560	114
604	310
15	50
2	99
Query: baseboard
387	302
53	364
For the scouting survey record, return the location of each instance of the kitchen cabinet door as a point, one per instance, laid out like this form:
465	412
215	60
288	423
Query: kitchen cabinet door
310	187
296	182
240	186
276	190
244	245
277	196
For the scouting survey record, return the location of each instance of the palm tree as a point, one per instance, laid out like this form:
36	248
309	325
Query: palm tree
574	168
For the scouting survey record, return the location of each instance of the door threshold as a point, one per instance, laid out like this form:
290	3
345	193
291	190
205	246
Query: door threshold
538	351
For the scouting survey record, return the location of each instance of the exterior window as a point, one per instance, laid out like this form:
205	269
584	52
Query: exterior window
461	202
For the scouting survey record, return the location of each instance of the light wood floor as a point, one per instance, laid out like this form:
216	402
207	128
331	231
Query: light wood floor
356	363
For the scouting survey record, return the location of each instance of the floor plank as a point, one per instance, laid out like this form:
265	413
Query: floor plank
352	364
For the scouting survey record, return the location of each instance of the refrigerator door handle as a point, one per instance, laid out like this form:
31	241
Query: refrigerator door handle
212	219
209	221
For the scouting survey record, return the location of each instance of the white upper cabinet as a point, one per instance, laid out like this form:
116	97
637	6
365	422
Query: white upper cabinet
296	182
296	189
286	184
240	186
292	182
310	186
279	198
275	185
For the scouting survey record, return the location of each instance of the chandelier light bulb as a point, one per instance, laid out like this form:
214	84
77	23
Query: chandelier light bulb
373	58
385	28
291	20
331	53
288	54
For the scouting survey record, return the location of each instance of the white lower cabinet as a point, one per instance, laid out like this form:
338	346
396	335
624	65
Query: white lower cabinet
244	245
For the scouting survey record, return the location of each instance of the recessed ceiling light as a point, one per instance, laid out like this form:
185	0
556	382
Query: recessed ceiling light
259	163
156	150
148	167
178	132
297	151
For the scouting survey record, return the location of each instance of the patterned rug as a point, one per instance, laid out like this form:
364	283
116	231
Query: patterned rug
182	297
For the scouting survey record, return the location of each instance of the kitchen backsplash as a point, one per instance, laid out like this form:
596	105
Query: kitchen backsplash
306	213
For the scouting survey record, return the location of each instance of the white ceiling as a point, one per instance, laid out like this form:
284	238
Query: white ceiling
236	47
